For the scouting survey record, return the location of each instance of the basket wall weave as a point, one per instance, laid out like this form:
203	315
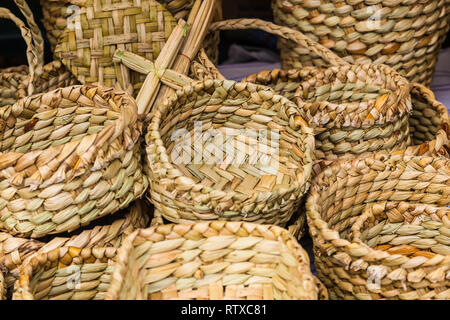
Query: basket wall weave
69	156
235	187
104	26
55	275
214	261
2	286
107	232
338	197
406	35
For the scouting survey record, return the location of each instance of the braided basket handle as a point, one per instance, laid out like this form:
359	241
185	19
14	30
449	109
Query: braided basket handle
284	32
35	31
32	54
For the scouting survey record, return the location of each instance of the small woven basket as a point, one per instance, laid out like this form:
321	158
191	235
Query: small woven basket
69	156
214	261
250	158
340	194
406	35
66	273
107	232
18	82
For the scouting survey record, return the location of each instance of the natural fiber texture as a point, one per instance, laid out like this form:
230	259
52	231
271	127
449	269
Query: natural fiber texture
69	156
429	121
141	27
406	35
18	82
57	12
238	186
67	273
214	261
339	195
107	232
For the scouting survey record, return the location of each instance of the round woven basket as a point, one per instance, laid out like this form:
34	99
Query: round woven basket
20	81
106	232
66	273
229	151
69	156
221	260
340	194
2	287
406	35
56	14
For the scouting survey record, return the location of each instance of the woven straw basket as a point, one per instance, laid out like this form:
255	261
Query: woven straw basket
107	232
69	156
232	173
406	35
340	195
214	261
66	273
56	14
428	123
18	82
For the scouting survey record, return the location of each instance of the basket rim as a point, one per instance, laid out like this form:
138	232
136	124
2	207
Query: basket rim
153	137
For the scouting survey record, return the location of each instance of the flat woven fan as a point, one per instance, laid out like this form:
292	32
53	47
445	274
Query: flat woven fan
88	43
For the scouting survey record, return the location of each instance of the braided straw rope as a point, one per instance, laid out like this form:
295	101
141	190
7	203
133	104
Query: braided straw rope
69	156
406	35
338	197
214	261
87	50
66	273
107	232
235	187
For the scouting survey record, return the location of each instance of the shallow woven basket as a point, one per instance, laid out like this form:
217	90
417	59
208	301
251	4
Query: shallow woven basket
214	261
66	273
69	156
428	123
57	12
339	195
406	35
20	81
106	232
255	180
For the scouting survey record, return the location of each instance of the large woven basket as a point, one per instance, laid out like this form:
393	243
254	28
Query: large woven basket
20	81
406	35
66	273
214	261
106	232
56	14
339	195
234	173
69	156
